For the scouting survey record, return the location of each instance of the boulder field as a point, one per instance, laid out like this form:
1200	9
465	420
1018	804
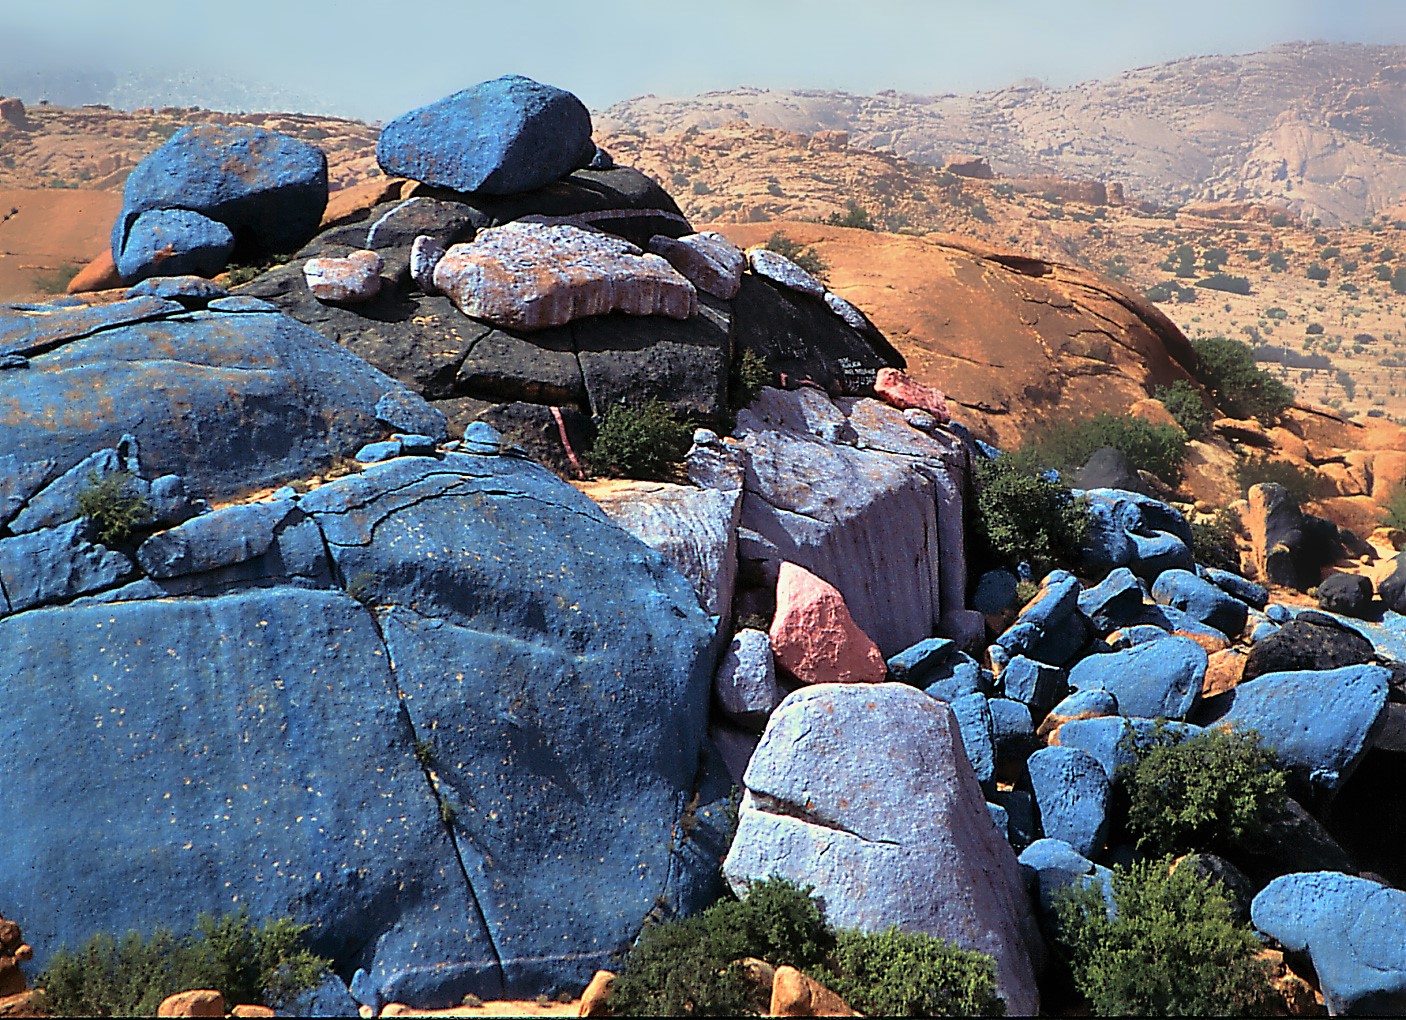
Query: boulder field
293	619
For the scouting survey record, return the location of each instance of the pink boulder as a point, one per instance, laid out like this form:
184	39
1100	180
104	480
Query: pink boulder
352	279
897	389
813	636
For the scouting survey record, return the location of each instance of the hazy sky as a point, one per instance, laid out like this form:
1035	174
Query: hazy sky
377	58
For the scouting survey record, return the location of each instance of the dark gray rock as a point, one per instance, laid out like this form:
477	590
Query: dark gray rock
1348	594
1309	641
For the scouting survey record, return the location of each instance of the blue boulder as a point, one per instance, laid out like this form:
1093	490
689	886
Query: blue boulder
500	137
958	675
1138	634
1022	826
1053	865
1050	628
1319	722
174	242
1034	683
1201	600
1354	931
1128	529
1253	595
192	291
1114	602
1071	790
916	664
995	592
1012	730
978	739
270	190
1157	678
1104	738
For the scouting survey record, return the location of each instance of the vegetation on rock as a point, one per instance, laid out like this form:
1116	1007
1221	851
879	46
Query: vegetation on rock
115	510
1147	445
1228	369
1213	540
749	373
130	976
1170	948
1183	402
898	973
1205	792
640	442
1022	516
1303	483
802	255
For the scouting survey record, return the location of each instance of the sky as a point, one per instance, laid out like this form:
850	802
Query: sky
376	58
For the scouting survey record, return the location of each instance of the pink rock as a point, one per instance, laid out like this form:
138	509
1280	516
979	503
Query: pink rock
357	277
814	637
533	275
897	389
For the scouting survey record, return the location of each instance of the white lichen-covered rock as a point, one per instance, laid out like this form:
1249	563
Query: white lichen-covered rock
865	793
852	315
779	268
355	278
425	254
710	261
530	276
745	684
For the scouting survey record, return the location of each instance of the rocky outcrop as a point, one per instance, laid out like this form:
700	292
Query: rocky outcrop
865	793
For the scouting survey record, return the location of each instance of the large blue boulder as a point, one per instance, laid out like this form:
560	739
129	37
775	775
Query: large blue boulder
1156	678
231	401
174	242
500	137
1034	683
1318	722
1128	529
1071	790
1201	600
1253	595
1050	628
1354	931
1115	602
975	723
1108	738
270	190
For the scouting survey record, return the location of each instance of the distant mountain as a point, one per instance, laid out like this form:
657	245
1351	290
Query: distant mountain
132	90
1315	128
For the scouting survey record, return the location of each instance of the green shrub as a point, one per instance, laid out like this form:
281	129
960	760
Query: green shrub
643	442
1228	370
898	973
240	273
1225	282
1398	280
1314	329
1183	402
1173	947
748	374
855	216
1396	509
115	510
1302	483
691	966
1316	272
130	976
1213	540
805	257
1200	793
1021	516
1148	446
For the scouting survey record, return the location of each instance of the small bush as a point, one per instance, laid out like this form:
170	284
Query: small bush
1148	447
855	216
1314	329
803	256
1224	282
1183	402
1172	948
748	375
1316	272
130	976
1213	540
1302	483
645	442
1206	792
241	273
898	973
1228	370
56	281
1021	516
1396	509
690	966
115	510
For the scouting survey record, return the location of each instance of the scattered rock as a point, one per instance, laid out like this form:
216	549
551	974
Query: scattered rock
1055	865
1310	641
1091	704
202	1002
1034	683
191	291
353	279
1224	669
1108	468
1127	529
746	684
794	994
1013	732
1348	594
814	637
99	274
1201	600
1103	738
918	665
1158	678
1393	588
530	276
709	261
1288	547
1113	603
1050	629
425	255
595	1000
865	793
977	728
500	137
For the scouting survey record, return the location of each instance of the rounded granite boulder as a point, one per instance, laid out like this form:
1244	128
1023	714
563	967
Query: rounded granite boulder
500	137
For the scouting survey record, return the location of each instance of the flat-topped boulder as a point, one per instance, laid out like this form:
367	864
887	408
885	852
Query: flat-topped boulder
531	276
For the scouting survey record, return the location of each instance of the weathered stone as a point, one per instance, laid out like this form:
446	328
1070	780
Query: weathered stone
1033	683
1055	865
57	502
1288	547
1104	738
1071	790
918	664
977	728
795	994
782	270
174	242
501	137
1091	704
1309	641
897	389
530	276
1127	529
200	1002
191	291
1158	678
746	685
1348	594
1115	602
231	535
815	638
425	253
1050	628
442	221
54	565
865	793
353	279
1201	600
709	261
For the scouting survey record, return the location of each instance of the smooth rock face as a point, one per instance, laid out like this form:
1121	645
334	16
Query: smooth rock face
500	137
1071	790
174	242
354	279
267	188
1103	738
1317	722
1201	600
708	260
1159	678
897	389
782	270
1353	930
814	637
530	276
866	793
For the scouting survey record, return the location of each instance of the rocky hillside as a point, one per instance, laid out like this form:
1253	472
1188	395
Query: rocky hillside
1318	129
